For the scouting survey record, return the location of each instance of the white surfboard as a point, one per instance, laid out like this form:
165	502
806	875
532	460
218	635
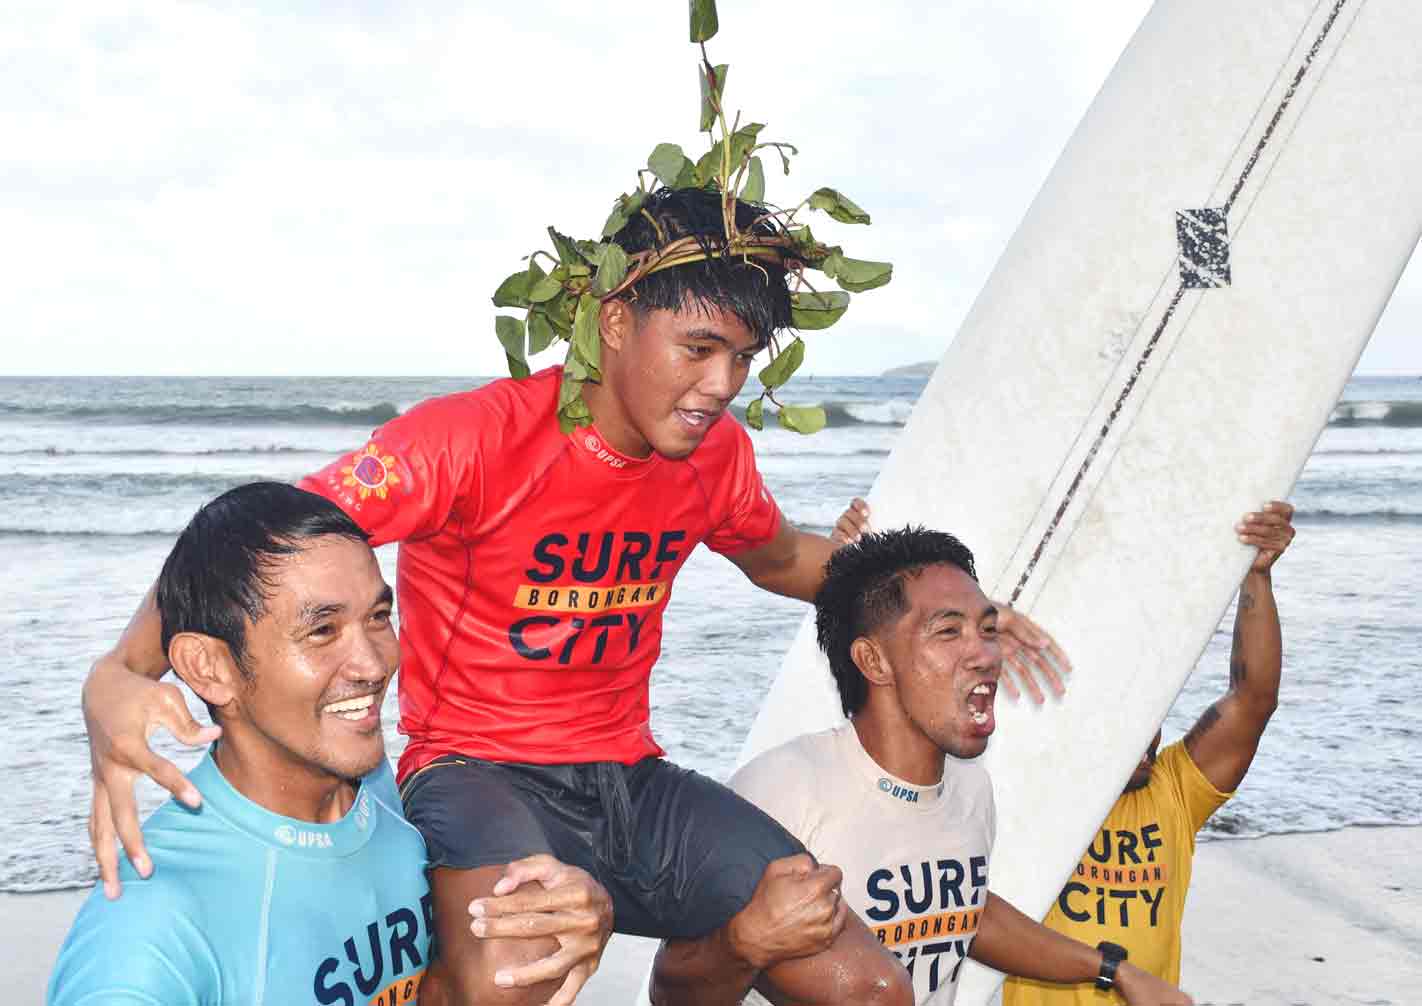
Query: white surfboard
1155	353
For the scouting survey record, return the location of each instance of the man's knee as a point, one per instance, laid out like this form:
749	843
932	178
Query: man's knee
473	965
885	982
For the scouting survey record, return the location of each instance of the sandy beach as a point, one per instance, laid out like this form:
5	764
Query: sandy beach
1327	919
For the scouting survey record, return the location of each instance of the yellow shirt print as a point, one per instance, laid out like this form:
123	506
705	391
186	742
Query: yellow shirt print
1130	885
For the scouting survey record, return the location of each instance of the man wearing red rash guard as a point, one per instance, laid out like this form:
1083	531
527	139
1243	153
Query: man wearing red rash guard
532	594
534	568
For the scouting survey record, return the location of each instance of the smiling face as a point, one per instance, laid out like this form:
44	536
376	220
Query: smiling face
943	659
667	376
317	664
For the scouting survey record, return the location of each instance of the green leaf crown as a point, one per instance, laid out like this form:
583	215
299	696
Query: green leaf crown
564	301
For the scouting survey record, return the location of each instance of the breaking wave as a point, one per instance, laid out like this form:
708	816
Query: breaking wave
342	413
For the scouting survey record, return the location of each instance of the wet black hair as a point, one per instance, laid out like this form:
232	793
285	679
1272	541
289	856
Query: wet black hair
218	576
754	291
863	590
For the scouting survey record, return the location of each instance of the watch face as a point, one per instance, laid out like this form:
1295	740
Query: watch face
1112	954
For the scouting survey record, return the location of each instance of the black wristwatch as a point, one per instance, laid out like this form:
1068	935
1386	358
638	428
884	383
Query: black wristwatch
1112	954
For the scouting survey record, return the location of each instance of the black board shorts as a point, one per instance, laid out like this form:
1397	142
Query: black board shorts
679	853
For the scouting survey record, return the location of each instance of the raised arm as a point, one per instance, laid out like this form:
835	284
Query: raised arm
1014	944
124	704
1223	740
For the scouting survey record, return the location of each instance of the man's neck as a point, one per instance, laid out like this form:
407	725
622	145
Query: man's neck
612	422
899	748
282	786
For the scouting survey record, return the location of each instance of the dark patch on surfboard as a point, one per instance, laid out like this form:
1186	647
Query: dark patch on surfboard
1203	236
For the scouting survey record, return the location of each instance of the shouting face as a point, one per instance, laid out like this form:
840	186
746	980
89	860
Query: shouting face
668	376
943	657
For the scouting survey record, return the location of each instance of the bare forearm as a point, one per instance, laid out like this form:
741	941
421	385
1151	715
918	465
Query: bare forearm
1014	944
799	571
702	972
1256	657
140	648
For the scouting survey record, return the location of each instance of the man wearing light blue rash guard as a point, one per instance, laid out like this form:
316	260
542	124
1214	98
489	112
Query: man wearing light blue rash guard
298	879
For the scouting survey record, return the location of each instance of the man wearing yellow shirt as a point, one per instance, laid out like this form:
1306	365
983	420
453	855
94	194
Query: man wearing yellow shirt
1129	888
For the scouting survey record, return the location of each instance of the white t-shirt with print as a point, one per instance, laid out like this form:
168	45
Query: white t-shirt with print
915	858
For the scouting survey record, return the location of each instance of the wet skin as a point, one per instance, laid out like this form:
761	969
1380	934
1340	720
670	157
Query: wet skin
937	667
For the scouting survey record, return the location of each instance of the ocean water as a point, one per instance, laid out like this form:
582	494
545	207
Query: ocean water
98	475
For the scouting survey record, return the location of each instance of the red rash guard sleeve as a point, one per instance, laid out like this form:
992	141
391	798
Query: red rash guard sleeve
744	513
406	481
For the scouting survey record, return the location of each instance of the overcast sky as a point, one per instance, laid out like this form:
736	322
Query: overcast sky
188	189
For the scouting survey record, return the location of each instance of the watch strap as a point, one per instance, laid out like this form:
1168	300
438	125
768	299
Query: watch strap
1112	954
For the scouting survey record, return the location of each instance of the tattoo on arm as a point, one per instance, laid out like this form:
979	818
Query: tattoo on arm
1237	669
1202	726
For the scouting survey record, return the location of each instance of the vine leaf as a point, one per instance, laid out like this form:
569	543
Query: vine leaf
711	97
566	248
623	210
754	189
783	367
667	161
703	20
510	332
514	291
586	341
838	205
803	418
572	410
856	275
540	332
611	270
811	311
755	414
742	140
544	290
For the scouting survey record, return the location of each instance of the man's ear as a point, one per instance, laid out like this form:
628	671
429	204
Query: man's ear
871	661
616	322
206	666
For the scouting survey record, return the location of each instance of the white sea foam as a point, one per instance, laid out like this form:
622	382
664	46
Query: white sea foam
893	412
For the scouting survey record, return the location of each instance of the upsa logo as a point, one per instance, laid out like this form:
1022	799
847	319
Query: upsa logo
289	836
594	446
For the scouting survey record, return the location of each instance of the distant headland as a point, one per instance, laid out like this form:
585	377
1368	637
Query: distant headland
912	370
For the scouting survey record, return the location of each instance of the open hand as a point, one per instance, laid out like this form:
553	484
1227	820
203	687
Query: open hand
853	523
122	711
1028	653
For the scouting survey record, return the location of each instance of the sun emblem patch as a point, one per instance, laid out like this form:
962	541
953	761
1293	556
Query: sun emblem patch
370	472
